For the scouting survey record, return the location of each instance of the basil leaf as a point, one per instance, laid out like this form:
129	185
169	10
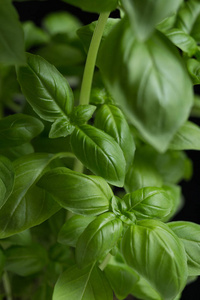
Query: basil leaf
149	203
100	153
2	262
28	205
39	81
23	238
6	179
144	22
144	290
131	71
111	120
18	129
189	233
82	284
11	35
195	29
72	229
121	277
81	114
25	261
99	237
154	252
97	6
194	70
61	128
33	35
174	192
187	137
17	151
90	198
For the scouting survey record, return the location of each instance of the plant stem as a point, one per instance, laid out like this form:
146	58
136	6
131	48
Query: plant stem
7	286
89	69
105	262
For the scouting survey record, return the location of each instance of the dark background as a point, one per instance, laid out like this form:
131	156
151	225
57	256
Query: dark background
36	11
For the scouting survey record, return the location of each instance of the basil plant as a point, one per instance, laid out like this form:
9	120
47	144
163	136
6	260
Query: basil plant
94	124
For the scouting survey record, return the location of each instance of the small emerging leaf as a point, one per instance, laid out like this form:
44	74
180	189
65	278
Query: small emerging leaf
61	128
81	114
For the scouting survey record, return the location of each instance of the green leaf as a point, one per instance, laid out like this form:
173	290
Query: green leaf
143	290
151	245
82	194
2	262
21	239
33	35
187	137
182	40
174	192
6	179
25	261
99	237
131	71
18	129
144	22
61	128
111	120
121	277
189	233
72	229
99	152
17	151
81	114
28	205
194	70
149	203
195	30
11	36
46	90
82	284
97	6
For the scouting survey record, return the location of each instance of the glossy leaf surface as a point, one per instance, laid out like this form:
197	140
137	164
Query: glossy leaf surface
72	229
111	120
46	90
82	194
144	22
149	203
189	233
28	205
97	6
6	179
98	239
100	153
158	255
130	73
11	35
82	284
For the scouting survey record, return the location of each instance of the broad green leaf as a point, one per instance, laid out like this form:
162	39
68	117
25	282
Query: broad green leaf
21	239
72	229
99	237
111	120
144	290
15	152
186	138
7	177
18	129
193	66
27	260
100	153
94	6
81	114
167	23
149	203
131	71
182	40
46	90
145	16
157	254
33	35
82	194
28	205
195	33
121	277
11	35
89	283
189	233
174	192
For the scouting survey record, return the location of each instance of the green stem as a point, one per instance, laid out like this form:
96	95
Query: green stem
89	69
91	59
7	286
105	262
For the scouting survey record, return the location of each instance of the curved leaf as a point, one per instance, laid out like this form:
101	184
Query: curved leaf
111	120
94	6
158	255
18	129
131	71
82	284
99	237
189	233
6	179
100	153
28	205
82	194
